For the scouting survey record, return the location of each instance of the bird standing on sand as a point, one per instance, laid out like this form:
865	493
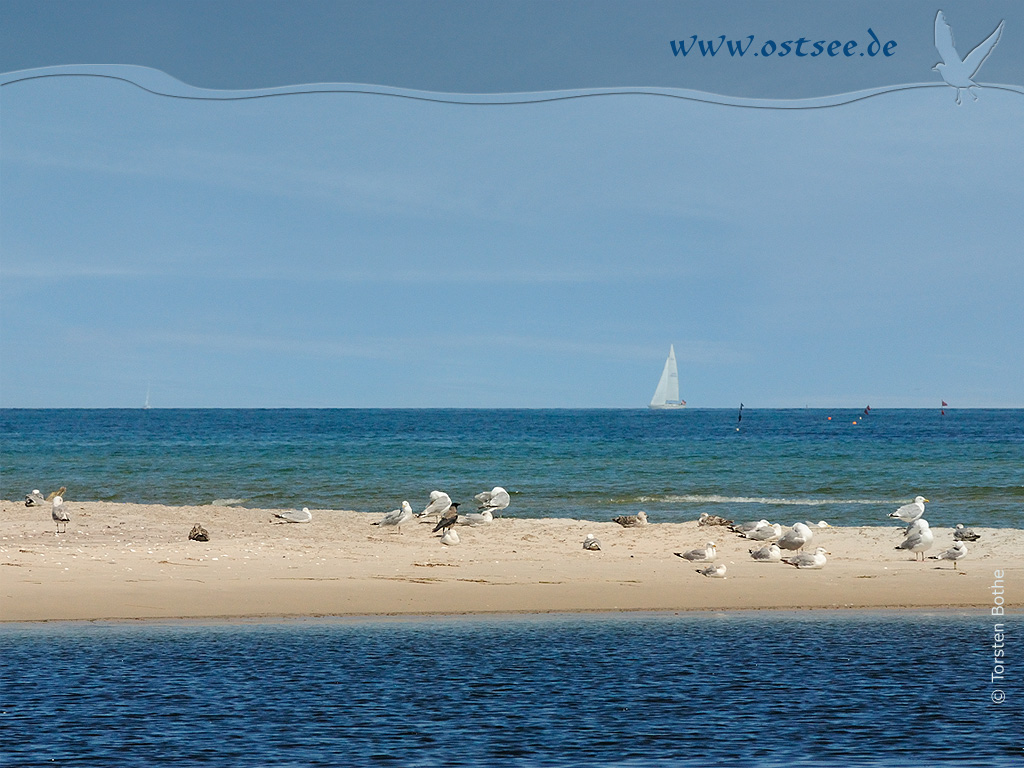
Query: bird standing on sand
59	514
796	537
397	517
292	516
706	519
705	555
954	553
34	499
591	544
494	500
447	520
908	513
965	534
920	540
713	571
769	554
959	73
807	561
439	503
631	521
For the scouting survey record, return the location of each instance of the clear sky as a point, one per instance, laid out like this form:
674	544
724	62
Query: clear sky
342	250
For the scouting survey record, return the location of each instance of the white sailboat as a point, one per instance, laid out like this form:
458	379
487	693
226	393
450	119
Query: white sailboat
667	394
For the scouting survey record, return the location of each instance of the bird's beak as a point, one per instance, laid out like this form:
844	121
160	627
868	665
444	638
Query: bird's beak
928	501
935	68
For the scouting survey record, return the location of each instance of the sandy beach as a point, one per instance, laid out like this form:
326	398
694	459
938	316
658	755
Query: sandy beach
131	561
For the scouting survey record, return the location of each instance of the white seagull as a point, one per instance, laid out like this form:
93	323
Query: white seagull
713	571
959	73
796	537
769	554
954	553
808	562
592	544
920	540
908	513
764	533
439	503
450	537
475	518
495	499
290	516
397	517
705	555
59	514
34	499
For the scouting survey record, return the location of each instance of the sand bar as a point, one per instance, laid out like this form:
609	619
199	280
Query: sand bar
134	561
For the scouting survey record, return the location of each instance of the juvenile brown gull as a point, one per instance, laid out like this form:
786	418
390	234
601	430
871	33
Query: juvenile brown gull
631	521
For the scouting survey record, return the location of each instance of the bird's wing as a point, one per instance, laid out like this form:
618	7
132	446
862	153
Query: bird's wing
977	57
944	40
484	497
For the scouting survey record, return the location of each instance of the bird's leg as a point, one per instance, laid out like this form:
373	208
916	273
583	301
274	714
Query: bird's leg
972	92
958	97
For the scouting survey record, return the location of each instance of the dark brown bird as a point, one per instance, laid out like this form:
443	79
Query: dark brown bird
448	518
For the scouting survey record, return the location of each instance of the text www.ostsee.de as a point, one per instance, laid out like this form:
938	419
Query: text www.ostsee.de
800	48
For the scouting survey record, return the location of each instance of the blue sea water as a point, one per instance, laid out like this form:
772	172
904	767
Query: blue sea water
762	688
840	465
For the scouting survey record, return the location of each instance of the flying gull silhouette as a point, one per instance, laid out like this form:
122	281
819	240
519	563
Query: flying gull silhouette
958	72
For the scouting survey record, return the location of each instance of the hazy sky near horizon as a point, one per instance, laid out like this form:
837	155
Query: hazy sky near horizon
339	250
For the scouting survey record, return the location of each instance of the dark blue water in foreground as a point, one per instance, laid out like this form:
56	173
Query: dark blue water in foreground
784	465
768	689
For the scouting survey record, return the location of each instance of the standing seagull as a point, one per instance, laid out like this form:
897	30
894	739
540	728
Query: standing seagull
959	73
908	513
495	499
397	517
954	553
439	503
59	514
919	541
796	537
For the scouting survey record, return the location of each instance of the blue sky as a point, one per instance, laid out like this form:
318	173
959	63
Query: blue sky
343	250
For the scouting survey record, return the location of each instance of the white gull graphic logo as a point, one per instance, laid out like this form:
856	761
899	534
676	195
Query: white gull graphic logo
959	73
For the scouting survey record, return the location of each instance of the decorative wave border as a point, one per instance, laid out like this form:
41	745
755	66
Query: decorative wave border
159	83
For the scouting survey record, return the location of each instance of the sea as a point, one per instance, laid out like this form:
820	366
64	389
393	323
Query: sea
848	467
704	688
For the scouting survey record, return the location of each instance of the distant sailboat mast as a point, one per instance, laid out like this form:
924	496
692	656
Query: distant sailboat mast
667	393
146	406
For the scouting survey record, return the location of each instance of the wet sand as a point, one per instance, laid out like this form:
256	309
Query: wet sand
133	561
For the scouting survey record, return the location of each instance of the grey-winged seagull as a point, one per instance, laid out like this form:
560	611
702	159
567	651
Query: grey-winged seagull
753	525
397	517
920	540
764	533
796	537
768	554
713	571
59	514
34	499
959	73
808	561
293	516
705	555
908	513
438	505
965	534
592	544
475	518
954	553
495	499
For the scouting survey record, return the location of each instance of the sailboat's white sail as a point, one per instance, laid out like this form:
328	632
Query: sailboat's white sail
667	393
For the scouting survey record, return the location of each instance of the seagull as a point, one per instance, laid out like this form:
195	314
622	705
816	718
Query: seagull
591	544
919	541
495	499
397	517
59	514
796	537
706	519
450	537
447	519
915	527
819	524
959	73
713	571
768	554
753	525
631	521
475	518
439	503
34	499
908	513
705	555
290	516
954	553
764	533
808	562
965	534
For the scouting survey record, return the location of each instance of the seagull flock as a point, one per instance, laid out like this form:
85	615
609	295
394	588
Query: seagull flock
918	536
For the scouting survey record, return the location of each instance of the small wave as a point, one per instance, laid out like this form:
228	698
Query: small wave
713	499
227	502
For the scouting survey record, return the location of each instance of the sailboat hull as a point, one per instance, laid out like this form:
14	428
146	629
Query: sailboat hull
667	406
